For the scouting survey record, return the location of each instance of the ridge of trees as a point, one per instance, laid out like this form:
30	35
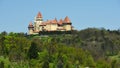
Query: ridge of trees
91	47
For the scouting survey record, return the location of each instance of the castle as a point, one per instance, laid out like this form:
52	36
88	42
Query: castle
49	25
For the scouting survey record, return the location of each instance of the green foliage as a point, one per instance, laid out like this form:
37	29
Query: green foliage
45	64
43	55
4	62
21	64
33	51
34	63
102	64
92	47
51	65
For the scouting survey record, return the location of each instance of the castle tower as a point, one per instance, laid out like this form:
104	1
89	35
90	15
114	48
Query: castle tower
30	28
67	24
37	22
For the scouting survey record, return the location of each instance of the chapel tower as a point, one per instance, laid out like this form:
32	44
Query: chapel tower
38	20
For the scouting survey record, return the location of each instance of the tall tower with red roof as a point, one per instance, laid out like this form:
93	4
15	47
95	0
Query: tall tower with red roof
67	24
31	28
38	21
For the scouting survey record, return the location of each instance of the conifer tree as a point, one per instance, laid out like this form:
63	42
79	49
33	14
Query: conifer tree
33	51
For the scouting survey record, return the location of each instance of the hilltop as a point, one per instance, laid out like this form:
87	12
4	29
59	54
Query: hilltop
91	47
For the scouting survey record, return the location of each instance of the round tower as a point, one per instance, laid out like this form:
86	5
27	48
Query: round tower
30	28
38	21
67	24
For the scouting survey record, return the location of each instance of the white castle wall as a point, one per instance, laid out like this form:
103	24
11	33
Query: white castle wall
54	27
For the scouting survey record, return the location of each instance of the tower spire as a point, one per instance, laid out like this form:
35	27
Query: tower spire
67	20
39	15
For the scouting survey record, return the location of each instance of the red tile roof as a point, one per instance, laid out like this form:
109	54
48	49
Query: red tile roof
54	21
48	22
43	24
30	25
60	22
67	20
39	15
51	22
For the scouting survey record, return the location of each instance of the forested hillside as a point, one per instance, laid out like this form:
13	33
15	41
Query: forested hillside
91	47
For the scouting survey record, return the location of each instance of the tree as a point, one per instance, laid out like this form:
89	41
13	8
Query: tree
3	47
113	64
45	64
60	64
33	51
101	63
4	33
2	64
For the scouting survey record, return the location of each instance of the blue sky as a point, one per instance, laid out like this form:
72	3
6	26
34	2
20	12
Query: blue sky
15	15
